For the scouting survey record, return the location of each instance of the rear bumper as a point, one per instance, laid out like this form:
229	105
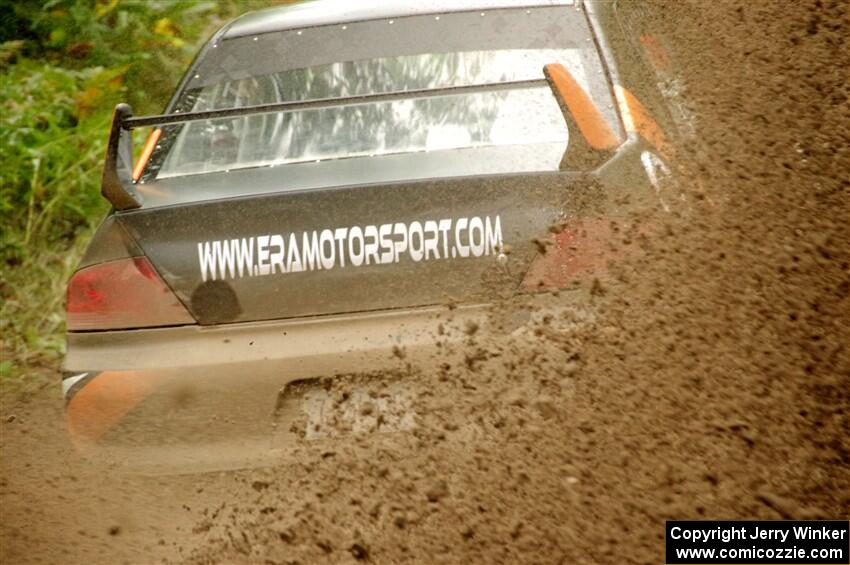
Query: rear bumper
198	398
299	348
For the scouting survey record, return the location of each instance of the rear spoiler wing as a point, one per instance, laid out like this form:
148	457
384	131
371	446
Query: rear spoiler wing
592	135
117	184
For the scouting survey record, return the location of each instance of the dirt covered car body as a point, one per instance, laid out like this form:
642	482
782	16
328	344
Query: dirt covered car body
324	181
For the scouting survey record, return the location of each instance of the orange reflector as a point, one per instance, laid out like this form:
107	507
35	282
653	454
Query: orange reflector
638	120
590	122
101	403
656	53
150	144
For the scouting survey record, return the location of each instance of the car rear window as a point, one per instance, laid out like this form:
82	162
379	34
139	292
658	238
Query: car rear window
411	54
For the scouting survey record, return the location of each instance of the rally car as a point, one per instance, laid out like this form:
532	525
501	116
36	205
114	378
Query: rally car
329	178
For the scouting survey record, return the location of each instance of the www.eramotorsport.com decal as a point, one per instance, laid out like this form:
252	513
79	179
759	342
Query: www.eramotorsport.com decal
354	246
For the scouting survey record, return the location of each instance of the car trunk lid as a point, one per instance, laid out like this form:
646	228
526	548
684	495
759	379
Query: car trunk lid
348	249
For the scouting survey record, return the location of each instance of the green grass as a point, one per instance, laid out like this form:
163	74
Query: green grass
63	67
50	158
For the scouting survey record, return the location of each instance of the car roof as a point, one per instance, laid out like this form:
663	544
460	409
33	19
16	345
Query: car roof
325	12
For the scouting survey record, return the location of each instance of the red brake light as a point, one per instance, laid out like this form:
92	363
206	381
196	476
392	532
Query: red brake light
121	294
581	250
578	250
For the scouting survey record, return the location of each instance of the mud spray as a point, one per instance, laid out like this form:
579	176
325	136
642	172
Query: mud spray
713	380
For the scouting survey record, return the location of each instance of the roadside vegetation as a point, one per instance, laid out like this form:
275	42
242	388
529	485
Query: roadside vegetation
63	67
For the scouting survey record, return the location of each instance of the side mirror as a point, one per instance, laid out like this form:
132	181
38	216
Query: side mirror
117	182
591	138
